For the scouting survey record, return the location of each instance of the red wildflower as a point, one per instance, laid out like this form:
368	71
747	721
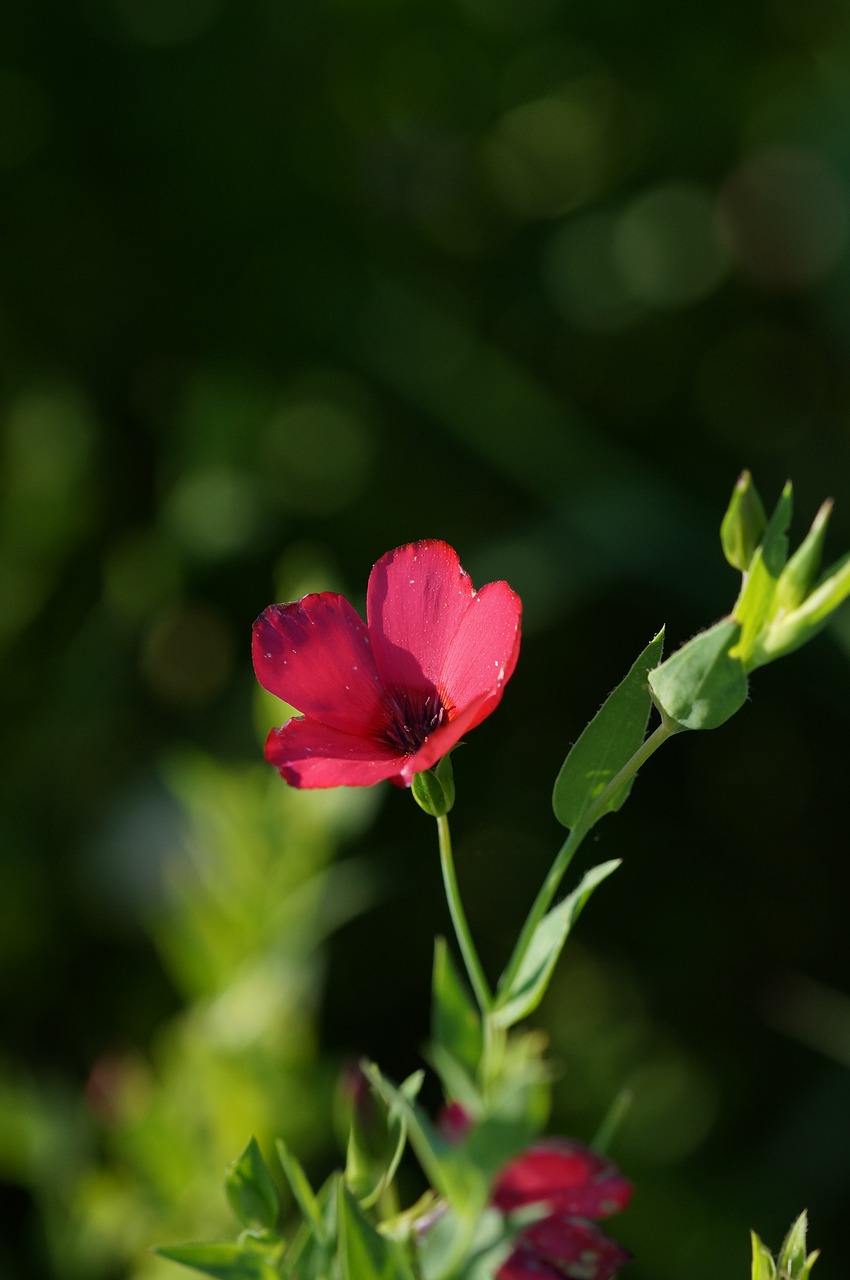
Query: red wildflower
389	697
576	1184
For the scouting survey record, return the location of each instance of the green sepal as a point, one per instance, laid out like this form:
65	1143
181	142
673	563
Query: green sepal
434	789
529	984
795	628
607	744
250	1189
756	602
764	1268
702	684
364	1254
224	1261
793	1261
455	1021
799	573
743	524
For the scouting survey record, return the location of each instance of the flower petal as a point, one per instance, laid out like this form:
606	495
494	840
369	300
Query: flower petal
441	741
309	754
315	654
526	1264
575	1248
565	1175
484	651
416	598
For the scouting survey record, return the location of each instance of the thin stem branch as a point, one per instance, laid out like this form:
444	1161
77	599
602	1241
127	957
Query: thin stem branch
565	854
461	927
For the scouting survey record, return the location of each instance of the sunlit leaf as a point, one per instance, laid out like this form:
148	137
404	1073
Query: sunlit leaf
224	1261
528	986
606	745
702	685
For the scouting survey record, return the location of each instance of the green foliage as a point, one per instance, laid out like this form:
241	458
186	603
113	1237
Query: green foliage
792	1262
702	684
607	744
521	995
363	1253
252	1193
781	604
251	896
223	1261
456	1029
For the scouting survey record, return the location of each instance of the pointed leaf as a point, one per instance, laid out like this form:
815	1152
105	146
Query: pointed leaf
447	1169
301	1190
606	745
456	1024
224	1261
527	988
364	1253
250	1189
310	1256
702	685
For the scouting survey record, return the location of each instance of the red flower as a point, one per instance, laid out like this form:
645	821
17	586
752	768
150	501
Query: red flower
576	1184
386	698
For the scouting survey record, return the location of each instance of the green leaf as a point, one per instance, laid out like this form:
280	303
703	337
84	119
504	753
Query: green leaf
225	1261
607	744
455	1022
364	1253
528	986
311	1255
301	1190
250	1189
702	685
448	1170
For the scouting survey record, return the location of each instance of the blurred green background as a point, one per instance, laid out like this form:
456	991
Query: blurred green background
283	285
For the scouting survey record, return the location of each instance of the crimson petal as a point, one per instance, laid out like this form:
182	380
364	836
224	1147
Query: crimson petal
565	1175
416	598
309	754
315	654
484	651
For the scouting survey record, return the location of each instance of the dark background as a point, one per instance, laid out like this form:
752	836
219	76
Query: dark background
284	285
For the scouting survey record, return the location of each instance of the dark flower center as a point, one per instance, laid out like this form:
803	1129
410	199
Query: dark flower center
414	719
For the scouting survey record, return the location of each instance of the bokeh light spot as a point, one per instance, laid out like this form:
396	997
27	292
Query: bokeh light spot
188	654
582	277
215	512
551	155
785	216
317	454
140	574
667	248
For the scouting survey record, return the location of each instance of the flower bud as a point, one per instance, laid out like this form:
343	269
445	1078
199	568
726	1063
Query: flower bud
434	789
744	523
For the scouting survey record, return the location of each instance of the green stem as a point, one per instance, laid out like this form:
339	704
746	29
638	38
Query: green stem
461	927
565	854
